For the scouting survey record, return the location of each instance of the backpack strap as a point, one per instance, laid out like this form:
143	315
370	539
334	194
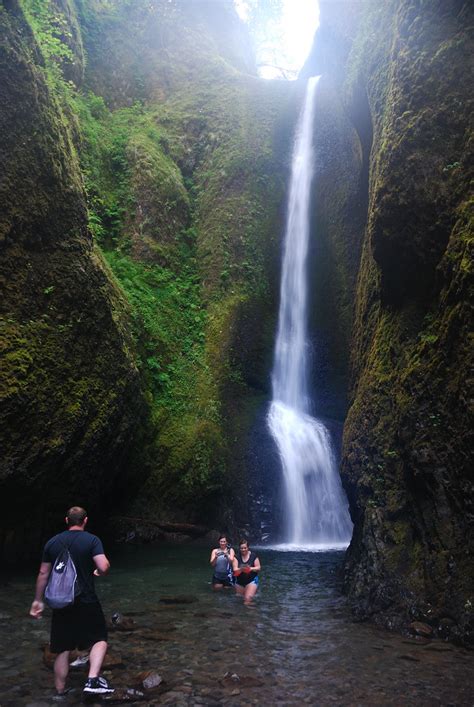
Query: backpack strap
66	546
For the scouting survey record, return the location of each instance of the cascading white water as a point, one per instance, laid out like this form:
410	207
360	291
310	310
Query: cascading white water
317	510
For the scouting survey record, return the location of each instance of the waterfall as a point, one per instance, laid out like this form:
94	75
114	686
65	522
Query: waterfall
316	506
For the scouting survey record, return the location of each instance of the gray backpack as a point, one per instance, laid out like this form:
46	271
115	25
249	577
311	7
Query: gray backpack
62	589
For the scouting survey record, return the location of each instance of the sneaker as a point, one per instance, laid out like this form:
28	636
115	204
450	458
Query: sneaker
80	661
97	686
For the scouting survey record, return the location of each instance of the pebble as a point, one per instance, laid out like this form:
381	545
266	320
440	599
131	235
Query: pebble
421	628
150	679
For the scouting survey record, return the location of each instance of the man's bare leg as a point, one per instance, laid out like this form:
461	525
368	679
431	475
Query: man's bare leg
96	658
61	670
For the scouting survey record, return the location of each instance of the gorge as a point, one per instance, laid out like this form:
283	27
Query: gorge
144	175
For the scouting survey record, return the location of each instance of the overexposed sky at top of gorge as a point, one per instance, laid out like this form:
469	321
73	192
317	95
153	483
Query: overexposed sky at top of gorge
284	42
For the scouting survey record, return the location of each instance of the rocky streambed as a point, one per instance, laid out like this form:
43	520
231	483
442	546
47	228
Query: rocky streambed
172	641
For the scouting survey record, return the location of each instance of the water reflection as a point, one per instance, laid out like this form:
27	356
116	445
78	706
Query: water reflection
296	645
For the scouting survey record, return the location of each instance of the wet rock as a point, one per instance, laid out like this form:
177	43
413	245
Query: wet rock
231	679
125	694
112	660
149	679
421	629
122	623
179	599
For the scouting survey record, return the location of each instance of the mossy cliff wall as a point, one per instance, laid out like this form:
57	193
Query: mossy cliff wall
407	453
69	384
187	201
170	160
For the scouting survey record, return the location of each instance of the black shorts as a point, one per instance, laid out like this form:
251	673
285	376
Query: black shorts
77	626
226	582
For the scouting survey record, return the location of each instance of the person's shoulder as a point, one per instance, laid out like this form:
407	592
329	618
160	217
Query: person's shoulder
54	538
90	537
53	545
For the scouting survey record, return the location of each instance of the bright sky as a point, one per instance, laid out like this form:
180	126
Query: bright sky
298	24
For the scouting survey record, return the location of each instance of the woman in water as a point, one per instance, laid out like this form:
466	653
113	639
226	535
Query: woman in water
222	559
246	568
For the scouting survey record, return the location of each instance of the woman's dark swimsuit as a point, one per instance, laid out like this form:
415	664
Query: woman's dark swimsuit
223	570
246	578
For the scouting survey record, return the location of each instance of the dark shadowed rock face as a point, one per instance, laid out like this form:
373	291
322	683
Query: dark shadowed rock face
407	455
69	387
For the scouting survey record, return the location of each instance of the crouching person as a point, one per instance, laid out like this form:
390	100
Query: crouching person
80	624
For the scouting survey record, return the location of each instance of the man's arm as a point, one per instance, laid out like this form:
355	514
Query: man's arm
102	565
41	582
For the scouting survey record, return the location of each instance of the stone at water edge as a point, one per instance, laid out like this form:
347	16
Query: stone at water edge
421	629
119	622
149	679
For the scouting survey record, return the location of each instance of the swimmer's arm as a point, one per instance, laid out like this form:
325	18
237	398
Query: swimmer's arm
235	563
213	557
256	565
231	555
41	581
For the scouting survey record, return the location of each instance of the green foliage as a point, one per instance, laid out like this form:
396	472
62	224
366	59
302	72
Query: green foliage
183	195
52	31
168	319
51	28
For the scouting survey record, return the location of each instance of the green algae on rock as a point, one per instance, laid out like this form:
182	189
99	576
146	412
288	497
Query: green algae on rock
70	387
408	436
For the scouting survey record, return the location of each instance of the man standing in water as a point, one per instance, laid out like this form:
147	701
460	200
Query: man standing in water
82	624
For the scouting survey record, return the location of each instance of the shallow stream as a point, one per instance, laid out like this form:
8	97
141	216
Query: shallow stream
297	643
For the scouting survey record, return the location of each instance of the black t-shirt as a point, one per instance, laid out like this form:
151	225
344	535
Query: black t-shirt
83	546
244	579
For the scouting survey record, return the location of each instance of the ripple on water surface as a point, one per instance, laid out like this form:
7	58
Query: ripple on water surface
295	645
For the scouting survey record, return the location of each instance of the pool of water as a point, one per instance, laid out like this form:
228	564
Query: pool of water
297	644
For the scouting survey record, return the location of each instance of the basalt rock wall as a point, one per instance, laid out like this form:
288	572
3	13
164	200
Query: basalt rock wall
404	73
144	183
69	385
